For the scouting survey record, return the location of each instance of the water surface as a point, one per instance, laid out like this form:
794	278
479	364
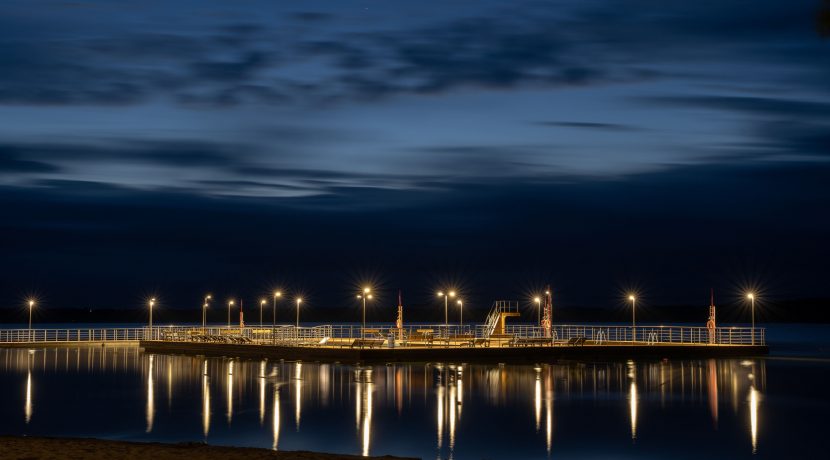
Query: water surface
768	408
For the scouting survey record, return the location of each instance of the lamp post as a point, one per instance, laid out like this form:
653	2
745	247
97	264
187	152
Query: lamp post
261	304
366	295
31	305
152	302
299	301
538	309
446	302
751	298
204	311
461	314
274	309
230	304
633	317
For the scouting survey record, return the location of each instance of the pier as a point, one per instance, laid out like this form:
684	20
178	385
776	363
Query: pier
420	342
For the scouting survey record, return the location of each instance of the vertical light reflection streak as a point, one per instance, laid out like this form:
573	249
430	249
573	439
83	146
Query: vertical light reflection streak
205	401
261	393
151	403
230	392
549	411
367	412
298	388
537	398
169	383
439	412
451	406
632	398
276	418
753	417
712	384
27	408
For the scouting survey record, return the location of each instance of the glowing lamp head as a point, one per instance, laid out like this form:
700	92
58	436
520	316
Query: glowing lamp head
299	300
750	296
369	296
537	300
152	301
262	302
277	294
230	303
366	290
208	297
31	303
632	298
459	302
452	293
440	294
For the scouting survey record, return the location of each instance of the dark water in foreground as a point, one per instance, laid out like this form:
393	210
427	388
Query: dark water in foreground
770	408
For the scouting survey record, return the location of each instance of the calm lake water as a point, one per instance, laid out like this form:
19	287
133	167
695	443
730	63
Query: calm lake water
777	407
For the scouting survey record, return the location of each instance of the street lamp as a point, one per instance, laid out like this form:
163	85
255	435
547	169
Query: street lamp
366	295
538	308
204	311
274	309
152	302
633	317
230	304
461	313
299	301
31	305
446	308
261	304
751	298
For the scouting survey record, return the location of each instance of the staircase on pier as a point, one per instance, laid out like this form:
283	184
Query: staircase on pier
501	310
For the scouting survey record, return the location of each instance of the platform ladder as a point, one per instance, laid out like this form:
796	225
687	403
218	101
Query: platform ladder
501	310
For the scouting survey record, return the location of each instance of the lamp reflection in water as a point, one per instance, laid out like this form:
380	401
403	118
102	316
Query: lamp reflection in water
298	390
205	400
753	417
262	393
230	391
632	398
439	412
27	408
712	387
364	407
151	402
537	397
276	417
549	411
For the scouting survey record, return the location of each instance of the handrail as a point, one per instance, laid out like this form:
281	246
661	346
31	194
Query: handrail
447	334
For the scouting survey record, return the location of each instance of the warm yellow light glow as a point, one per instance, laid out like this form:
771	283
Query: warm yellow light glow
459	302
631	298
753	417
230	302
440	294
152	301
299	300
208	297
151	401
537	300
369	296
750	296
31	303
262	302
366	290
277	294
452	293
547	292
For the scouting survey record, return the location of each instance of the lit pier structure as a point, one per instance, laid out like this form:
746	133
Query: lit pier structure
494	340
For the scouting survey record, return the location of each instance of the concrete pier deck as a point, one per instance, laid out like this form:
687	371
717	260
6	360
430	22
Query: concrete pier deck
507	355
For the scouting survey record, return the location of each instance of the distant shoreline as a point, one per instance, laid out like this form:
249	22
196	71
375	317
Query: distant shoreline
19	447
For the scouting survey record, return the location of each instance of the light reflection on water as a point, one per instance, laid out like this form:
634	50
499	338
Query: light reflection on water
466	410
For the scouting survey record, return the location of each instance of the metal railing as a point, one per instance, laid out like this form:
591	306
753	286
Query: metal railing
410	335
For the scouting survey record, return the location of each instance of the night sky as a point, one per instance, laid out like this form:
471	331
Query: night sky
178	148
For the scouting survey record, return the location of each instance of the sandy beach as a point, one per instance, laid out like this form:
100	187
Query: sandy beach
31	448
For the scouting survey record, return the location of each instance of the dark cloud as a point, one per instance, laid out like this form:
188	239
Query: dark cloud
12	160
751	105
588	125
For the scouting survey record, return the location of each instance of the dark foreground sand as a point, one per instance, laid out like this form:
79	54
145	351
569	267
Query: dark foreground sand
21	448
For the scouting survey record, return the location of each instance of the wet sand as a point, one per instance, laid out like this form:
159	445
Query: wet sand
31	448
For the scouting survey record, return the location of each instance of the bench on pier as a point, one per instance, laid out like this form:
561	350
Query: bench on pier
422	335
576	341
531	341
367	343
372	333
461	340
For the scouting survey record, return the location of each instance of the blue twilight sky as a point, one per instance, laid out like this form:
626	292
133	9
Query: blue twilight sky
667	145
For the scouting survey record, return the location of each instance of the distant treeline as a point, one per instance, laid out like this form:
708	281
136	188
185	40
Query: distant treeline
806	310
